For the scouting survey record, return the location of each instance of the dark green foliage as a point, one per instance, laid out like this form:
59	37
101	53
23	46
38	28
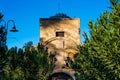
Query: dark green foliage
99	57
1	15
29	63
3	33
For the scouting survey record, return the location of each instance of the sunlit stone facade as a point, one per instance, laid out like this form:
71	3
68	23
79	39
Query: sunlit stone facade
61	35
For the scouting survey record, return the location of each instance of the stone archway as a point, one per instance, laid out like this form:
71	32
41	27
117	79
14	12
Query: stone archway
61	76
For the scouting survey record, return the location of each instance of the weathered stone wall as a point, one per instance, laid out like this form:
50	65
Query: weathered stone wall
67	44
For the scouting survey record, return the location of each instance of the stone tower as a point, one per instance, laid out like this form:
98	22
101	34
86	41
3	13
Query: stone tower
61	34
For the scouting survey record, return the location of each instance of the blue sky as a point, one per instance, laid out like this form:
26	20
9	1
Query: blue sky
26	14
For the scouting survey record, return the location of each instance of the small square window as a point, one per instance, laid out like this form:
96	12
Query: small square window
59	34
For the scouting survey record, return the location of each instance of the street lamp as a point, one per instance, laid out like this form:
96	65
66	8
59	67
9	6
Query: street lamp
4	31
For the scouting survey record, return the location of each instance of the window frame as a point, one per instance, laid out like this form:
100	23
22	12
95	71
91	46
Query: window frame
60	34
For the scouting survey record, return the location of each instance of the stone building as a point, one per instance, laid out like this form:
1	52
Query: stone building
61	35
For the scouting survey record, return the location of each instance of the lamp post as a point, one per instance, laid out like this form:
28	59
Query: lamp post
4	31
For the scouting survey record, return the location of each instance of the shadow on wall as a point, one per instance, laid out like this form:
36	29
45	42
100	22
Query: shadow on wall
49	22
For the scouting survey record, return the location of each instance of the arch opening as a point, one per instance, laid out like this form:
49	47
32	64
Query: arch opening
60	76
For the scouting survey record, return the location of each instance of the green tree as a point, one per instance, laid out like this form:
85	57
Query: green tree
30	63
46	62
99	57
1	15
28	45
12	70
3	50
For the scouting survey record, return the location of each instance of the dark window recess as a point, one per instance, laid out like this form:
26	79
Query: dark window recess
59	34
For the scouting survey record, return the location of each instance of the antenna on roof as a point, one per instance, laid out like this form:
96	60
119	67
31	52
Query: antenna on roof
58	7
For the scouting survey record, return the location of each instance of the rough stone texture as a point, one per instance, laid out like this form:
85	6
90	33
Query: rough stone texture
62	47
70	27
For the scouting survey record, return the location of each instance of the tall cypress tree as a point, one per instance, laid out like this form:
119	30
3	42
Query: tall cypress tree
99	57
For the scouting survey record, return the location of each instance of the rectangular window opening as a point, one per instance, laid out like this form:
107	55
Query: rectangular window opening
60	34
